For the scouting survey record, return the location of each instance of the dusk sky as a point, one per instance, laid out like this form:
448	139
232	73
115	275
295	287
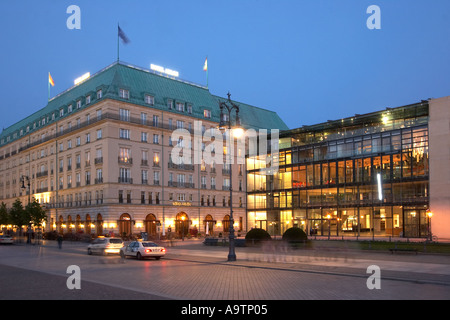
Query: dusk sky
308	60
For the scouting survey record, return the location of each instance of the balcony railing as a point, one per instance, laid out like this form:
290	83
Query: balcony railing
125	180
125	160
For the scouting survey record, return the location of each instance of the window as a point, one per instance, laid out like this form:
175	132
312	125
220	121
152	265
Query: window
69	108
144	160
180	124
155	121
88	137
143	118
226	184
88	99
180	106
124	175
78	104
144	176
207	113
99	176
125	155
99	94
149	99
99	114
156	159
170	104
61	112
124	94
156	177
143	136
189	108
99	134
124	114
124	134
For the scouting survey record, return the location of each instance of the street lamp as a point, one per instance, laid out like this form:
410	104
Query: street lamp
226	108
22	179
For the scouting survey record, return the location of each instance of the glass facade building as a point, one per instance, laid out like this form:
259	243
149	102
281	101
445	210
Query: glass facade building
366	175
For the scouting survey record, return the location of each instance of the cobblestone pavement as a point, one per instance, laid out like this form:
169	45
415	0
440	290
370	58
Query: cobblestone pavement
193	271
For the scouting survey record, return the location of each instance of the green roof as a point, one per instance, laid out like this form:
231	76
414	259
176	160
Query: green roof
139	82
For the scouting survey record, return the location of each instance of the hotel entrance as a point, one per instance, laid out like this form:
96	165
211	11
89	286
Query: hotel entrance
182	224
124	225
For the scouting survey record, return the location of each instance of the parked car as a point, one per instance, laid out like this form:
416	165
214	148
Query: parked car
105	245
142	249
6	240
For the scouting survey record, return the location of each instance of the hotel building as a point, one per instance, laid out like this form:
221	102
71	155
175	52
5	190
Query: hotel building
98	157
376	174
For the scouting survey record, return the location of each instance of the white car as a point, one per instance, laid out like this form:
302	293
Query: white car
143	249
6	240
105	245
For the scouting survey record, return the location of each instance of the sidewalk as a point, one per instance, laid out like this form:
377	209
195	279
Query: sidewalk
328	257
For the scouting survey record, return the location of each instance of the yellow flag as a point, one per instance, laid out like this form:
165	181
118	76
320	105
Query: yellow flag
50	80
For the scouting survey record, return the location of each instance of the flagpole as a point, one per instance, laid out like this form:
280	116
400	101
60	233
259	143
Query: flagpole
48	81
118	46
207	70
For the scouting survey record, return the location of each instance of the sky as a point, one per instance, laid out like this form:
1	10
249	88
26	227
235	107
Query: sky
308	60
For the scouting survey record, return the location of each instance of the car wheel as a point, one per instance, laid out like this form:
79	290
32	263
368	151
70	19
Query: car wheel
122	255
89	251
139	256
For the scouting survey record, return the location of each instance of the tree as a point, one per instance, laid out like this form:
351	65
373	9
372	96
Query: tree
36	213
4	217
18	215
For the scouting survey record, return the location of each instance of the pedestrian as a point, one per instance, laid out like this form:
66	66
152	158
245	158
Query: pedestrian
60	240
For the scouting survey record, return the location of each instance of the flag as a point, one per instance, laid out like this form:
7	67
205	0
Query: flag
205	66
50	80
123	36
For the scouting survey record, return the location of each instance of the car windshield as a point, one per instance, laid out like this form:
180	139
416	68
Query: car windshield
115	241
149	244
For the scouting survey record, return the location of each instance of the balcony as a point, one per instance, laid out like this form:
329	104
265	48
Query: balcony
125	180
42	174
125	160
98	180
98	160
172	165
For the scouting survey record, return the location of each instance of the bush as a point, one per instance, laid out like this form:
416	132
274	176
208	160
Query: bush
256	236
294	234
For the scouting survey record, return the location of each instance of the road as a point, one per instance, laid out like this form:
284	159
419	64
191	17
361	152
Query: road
191	271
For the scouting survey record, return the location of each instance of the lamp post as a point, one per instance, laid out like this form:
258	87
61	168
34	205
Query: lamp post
22	179
226	108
